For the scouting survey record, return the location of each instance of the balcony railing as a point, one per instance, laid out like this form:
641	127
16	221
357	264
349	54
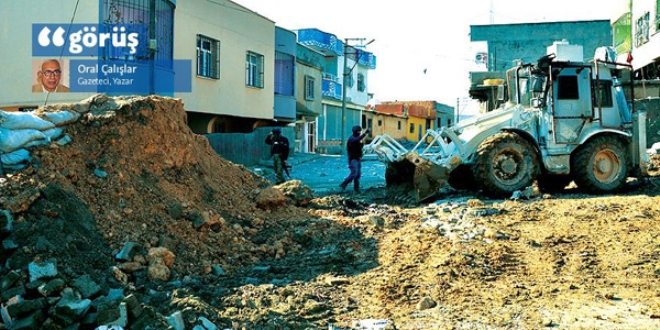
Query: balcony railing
322	40
363	57
331	88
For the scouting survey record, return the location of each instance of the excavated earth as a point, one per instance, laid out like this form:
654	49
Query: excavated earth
247	255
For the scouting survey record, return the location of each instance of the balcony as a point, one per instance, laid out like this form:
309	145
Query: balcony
330	87
326	43
362	57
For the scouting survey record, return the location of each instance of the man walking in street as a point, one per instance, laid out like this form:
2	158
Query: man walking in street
354	151
279	152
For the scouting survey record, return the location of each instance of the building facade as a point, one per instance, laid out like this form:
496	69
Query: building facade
233	54
390	119
309	76
335	121
511	44
417	118
637	40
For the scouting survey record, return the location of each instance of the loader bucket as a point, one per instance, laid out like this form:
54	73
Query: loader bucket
419	176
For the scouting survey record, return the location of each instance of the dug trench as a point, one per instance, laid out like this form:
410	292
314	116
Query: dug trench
137	222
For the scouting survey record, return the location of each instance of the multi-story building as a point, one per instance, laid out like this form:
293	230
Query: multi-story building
637	41
511	44
342	62
309	74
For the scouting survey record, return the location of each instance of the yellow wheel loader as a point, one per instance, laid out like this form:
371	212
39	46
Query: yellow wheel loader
560	121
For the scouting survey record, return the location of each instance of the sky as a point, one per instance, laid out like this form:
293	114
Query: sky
422	47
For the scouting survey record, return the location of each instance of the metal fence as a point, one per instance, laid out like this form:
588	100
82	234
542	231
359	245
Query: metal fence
246	148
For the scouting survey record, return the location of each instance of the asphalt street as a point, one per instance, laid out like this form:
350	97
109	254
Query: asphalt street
324	173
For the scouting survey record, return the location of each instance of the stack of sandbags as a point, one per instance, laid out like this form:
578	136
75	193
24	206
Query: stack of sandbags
20	131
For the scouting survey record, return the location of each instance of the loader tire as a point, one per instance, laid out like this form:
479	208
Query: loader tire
505	162
600	165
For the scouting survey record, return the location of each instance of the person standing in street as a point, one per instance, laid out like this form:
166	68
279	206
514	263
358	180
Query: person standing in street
279	152
354	150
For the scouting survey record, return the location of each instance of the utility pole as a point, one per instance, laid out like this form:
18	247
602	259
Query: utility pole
343	97
152	47
345	74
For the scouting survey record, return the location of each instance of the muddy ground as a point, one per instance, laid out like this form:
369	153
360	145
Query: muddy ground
564	260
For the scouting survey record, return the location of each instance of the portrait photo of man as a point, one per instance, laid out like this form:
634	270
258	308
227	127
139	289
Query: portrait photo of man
49	77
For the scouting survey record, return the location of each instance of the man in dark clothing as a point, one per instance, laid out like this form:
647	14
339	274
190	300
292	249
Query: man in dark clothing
354	150
279	152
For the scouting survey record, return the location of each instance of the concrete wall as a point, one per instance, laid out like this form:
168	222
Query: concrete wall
246	148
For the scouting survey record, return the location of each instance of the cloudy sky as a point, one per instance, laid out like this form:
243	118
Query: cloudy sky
422	46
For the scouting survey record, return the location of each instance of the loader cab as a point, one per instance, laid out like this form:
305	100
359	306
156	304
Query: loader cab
571	97
526	86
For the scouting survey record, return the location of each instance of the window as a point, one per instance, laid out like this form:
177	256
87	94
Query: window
349	77
398	126
208	57
657	16
412	128
568	88
642	30
254	70
380	123
360	82
284	74
604	93
309	87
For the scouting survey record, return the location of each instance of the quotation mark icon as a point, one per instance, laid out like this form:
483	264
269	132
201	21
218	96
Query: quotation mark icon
58	37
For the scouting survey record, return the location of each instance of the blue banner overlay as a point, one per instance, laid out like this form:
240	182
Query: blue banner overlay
131	77
128	41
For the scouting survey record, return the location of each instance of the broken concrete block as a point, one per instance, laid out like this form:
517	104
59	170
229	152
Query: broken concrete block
6	221
52	287
41	269
129	250
70	309
9	280
26	307
86	286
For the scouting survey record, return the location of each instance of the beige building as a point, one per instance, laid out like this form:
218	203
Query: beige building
390	119
223	100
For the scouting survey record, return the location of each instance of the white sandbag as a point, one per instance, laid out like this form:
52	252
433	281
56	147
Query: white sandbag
14	167
23	120
16	157
11	140
60	118
64	140
53	133
36	143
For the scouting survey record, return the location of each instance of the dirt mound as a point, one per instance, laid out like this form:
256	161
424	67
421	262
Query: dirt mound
134	172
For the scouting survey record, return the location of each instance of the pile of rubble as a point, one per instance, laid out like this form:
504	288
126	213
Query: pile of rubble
114	203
